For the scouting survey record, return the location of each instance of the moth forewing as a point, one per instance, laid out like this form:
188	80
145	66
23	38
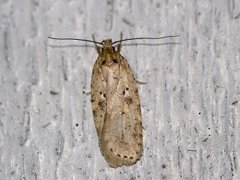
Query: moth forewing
116	108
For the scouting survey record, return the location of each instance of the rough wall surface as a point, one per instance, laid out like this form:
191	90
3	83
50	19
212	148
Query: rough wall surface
190	104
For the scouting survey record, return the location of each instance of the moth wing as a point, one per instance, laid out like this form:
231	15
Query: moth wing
98	97
121	141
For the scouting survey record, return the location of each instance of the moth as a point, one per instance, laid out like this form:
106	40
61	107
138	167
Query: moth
116	104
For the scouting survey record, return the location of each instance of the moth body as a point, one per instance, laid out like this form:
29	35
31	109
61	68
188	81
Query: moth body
116	107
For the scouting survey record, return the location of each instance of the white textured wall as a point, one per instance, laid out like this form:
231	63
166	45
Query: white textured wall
190	104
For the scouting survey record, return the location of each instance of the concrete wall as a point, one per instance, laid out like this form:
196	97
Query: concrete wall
190	104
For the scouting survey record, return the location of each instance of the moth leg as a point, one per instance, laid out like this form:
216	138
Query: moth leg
140	82
119	46
87	93
98	48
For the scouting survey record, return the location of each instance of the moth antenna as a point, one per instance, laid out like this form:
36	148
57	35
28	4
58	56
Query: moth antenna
75	39
137	38
119	46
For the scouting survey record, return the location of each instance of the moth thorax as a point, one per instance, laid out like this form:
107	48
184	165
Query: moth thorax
109	60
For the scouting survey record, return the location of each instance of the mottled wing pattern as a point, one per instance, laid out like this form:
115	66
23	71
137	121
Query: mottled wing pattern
98	97
121	138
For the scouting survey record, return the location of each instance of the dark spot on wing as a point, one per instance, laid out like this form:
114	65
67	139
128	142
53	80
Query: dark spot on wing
128	100
101	103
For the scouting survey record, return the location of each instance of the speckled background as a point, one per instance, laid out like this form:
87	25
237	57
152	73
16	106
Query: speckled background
190	104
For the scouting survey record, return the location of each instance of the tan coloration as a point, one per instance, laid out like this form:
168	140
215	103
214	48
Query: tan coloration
116	108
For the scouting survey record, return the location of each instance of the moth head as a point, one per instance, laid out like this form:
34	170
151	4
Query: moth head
108	53
107	44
